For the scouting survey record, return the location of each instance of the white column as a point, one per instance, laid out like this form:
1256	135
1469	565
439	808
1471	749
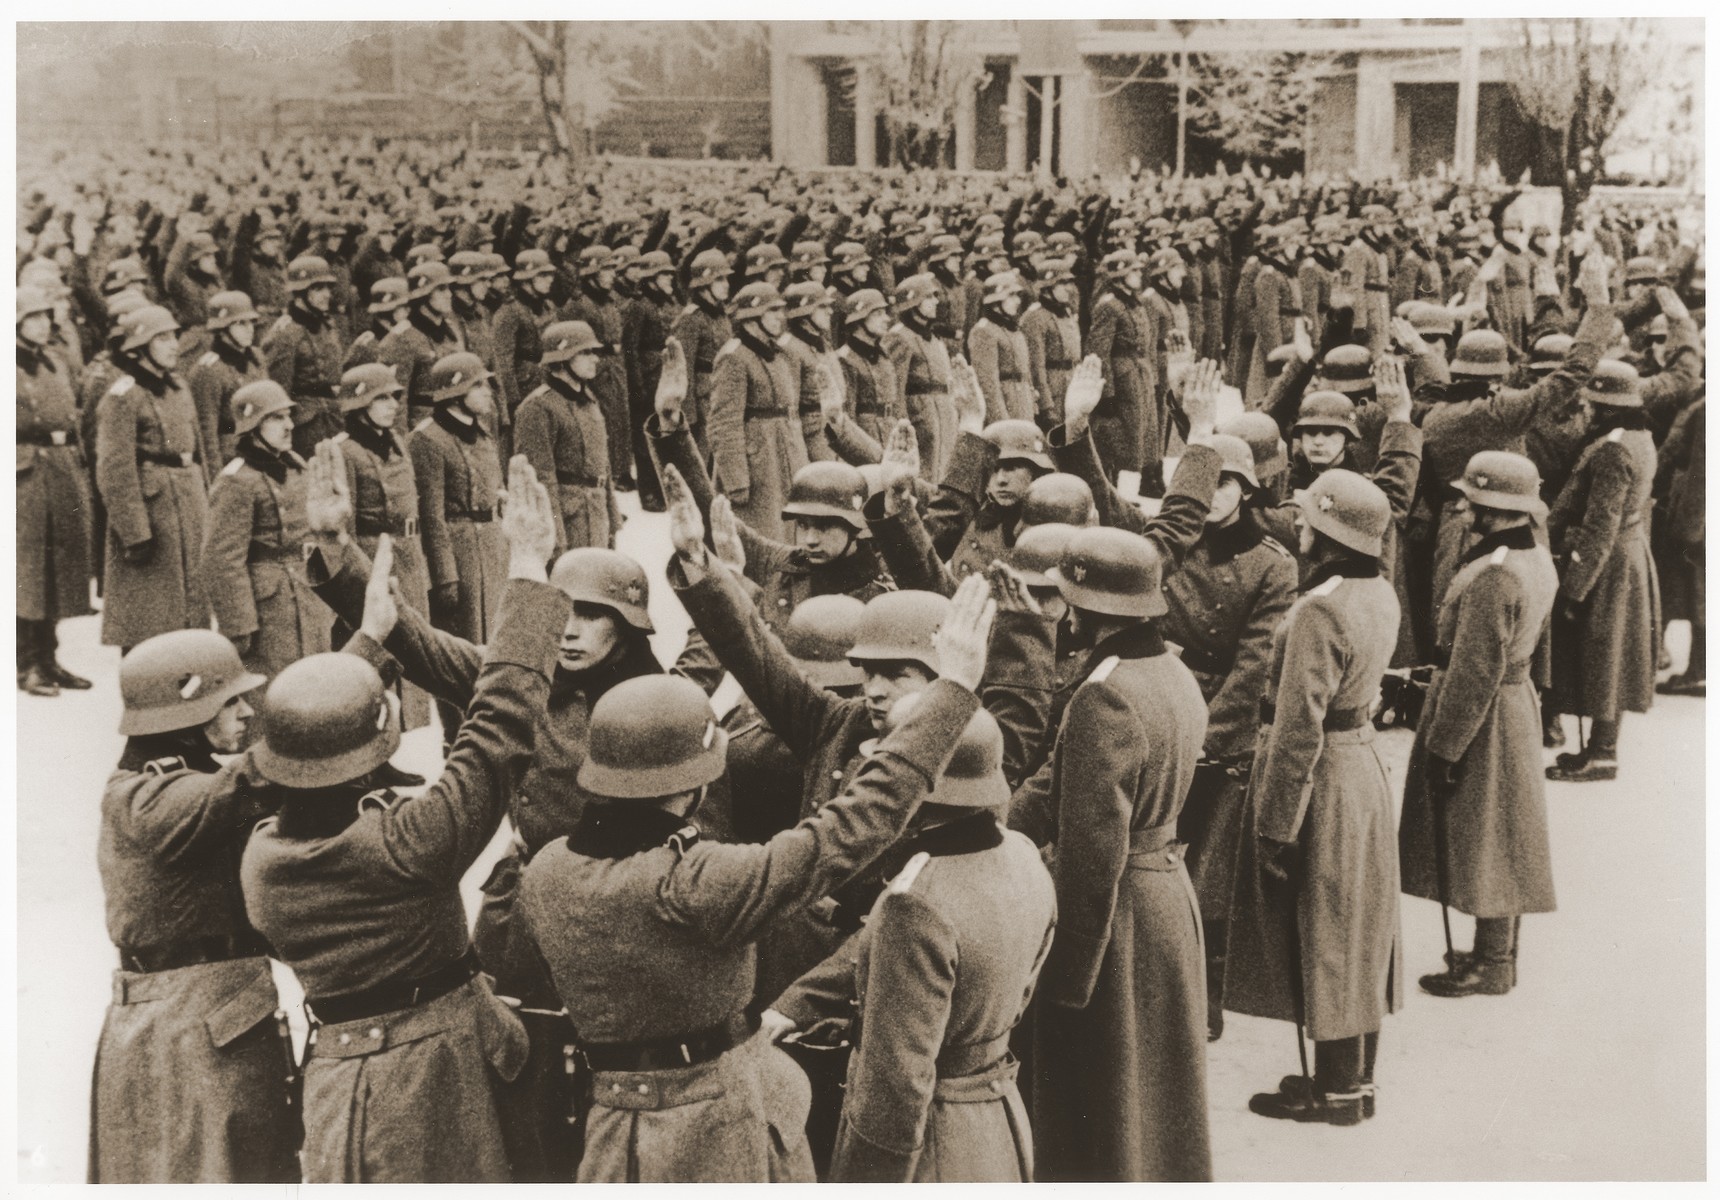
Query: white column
1015	126
1047	123
865	118
965	129
1468	108
1376	118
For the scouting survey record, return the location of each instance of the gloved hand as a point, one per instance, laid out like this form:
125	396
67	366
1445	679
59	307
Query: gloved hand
1441	774
1279	861
139	553
444	597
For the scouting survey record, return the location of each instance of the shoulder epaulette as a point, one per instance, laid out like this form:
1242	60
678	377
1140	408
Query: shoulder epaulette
1616	435
281	322
122	385
365	338
1102	672
683	839
727	348
209	359
161	766
911	872
419	428
1498	556
232	468
1328	587
1277	545
1034	307
342	436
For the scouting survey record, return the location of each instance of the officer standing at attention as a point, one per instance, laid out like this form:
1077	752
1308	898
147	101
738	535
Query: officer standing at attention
304	350
195	1067
230	362
561	429
649	932
359	891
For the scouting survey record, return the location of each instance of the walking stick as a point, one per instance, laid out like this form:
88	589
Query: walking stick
1293	889
1442	869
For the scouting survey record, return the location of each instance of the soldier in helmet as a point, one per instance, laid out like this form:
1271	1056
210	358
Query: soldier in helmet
252	564
1165	274
644	335
850	272
943	263
1107	1104
195	1024
752	418
808	263
676	918
192	276
454	464
152	487
257	269
1473	834
1053	335
764	263
1128	428
426	337
358	890
519	337
807	342
922	369
703	329
471	285
230	362
53	500
1314	932
304	349
387	300
1605	637
599	307
1367	269
931	1091
561	429
998	351
872	386
1276	304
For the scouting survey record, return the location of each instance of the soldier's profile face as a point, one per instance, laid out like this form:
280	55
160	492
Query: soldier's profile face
383	410
877	323
822	541
276	431
1226	498
320	297
242	333
772	320
442	300
821	317
225	731
816	272
541	284
584	365
479	400
888	682
164	350
36	328
591	634
719	288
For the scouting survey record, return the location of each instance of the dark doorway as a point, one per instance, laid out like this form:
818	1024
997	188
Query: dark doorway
839	115
1426	128
990	134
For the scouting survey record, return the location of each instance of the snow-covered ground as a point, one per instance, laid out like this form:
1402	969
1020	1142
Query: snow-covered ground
1592	1069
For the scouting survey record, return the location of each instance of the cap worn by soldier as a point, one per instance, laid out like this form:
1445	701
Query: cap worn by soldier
327	720
1001	286
366	383
1549	351
229	308
827	491
469	266
1642	269
251	403
1057	499
388	295
454	375
1019	441
974	776
529	264
426	277
1326	410
1615	384
848	254
899	627
593	259
809	254
122	273
1502	480
652	737
1347	369
1037	549
308	271
1481	353
1347	508
820	632
754	300
1111	571
762	258
1264	441
564	339
608	578
708	267
803	298
180	680
146	324
1235	457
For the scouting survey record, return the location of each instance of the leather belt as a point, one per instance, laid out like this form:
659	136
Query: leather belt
164	458
1059	364
1010	377
954	1061
404	527
477	515
1155	848
669	1054
270	554
192	952
1376	287
1206	664
765	414
925	389
1336	720
576	479
49	437
393	995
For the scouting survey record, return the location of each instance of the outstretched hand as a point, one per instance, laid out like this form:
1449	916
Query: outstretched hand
970	401
900	465
1200	400
1010	590
726	534
328	507
686	526
1404	333
528	522
1082	396
672	386
381	595
1392	387
966	632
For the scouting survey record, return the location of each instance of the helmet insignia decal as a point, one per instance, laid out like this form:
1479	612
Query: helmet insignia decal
1481	481
458	376
710	733
382	716
856	501
1325	503
1078	572
635	593
189	688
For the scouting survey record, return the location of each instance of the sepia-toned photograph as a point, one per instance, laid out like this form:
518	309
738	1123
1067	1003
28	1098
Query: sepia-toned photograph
860	601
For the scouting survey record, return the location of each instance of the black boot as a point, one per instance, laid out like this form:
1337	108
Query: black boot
50	646
1488	972
1336	1097
1552	728
1597	762
1217	934
1694	680
32	679
1370	1055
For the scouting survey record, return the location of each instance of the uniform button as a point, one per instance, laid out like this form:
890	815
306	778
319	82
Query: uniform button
782	602
345	1039
376	1031
996	1085
836	774
615	1087
643	1088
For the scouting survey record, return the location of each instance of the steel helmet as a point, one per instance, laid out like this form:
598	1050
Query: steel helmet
809	254
1264	440
495	266
1119	263
426	277
1549	351
1481	352
146	324
1642	269
1111	571
593	259
1156	228
595	575
652	736
803	298
708	266
827	491
529	264
251	403
1001	286
1062	242
944	247
754	300
1615	384
198	245
454	375
423	252
180	680
624	257
849	254
228	308
898	627
122	273
655	262
469	266
1347	508
1037	549
916	289
1018	440
1163	262
762	258
564	339
1326	410
364	384
974	776
327	719
990	246
864	303
308	271
1235	458
33	300
1503	480
1430	320
820	633
1347	369
389	295
1057	498
1058	270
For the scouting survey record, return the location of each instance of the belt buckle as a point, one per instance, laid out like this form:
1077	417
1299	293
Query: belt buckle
185	458
58	437
410	528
